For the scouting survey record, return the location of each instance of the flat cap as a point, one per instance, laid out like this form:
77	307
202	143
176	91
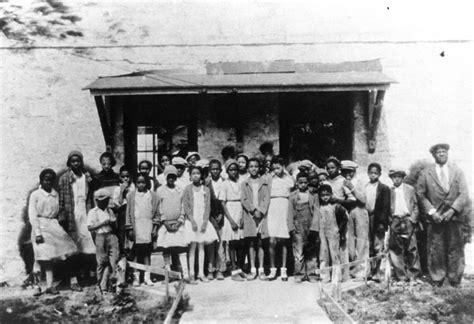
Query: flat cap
170	169
397	171
191	154
435	147
306	164
322	171
101	194
177	160
348	165
203	163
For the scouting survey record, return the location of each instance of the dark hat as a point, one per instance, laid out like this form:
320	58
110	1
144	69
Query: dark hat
435	147
396	171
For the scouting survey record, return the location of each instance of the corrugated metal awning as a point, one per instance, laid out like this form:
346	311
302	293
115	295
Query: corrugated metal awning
249	77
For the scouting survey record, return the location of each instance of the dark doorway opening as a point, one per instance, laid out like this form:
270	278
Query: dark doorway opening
316	125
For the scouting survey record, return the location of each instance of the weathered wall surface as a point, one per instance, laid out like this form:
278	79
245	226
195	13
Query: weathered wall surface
45	114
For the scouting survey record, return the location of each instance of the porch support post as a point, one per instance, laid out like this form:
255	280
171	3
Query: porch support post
104	121
374	112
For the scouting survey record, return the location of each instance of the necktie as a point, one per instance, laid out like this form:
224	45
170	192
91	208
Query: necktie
444	180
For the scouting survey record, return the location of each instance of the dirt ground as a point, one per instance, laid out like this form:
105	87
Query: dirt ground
423	303
87	307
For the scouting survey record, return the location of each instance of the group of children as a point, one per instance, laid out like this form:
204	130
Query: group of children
245	210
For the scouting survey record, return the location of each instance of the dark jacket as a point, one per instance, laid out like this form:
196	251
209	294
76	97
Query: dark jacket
216	207
382	208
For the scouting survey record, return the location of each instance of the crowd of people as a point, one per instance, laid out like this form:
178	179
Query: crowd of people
244	217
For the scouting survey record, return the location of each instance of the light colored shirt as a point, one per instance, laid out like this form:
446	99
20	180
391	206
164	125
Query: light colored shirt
183	181
255	193
303	197
120	201
281	187
371	195
217	186
44	204
97	215
230	191
339	190
400	208
442	170
170	203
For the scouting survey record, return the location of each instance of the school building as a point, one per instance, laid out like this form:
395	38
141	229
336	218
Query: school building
368	84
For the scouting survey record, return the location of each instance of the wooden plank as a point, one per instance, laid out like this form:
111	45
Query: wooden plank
104	121
170	314
155	270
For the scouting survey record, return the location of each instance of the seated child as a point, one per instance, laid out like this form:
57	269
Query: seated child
171	233
302	204
142	221
404	220
332	232
102	221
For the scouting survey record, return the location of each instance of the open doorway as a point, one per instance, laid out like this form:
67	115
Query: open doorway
316	125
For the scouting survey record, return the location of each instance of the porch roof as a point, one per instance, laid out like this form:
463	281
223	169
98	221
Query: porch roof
248	77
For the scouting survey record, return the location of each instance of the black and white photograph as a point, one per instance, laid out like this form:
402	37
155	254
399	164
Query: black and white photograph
254	161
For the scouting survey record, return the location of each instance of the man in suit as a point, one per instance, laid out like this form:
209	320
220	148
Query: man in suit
402	243
443	194
378	206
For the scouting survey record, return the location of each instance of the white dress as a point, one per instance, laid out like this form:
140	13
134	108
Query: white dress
82	236
143	217
230	193
210	234
278	209
170	209
43	211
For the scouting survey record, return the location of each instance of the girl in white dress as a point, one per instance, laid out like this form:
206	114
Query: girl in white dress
50	241
198	231
281	184
232	230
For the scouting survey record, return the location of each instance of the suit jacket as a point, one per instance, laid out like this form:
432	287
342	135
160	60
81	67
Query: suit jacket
432	195
313	201
188	202
382	209
246	195
410	199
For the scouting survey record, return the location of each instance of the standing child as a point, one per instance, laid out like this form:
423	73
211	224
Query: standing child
119	199
243	161
358	226
106	178
183	177
171	234
74	204
277	220
197	207
255	201
165	160
230	197
215	251
402	244
302	206
145	167
332	229
102	221
378	205
142	221
50	241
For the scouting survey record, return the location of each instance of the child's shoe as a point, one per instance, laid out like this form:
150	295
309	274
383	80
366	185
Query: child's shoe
147	280
273	274
203	278
210	276
136	279
261	274
283	275
220	275
236	275
192	279
252	275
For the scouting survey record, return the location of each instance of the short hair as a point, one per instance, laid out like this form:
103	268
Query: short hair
45	172
302	175
109	156
215	161
148	163
228	152
278	160
246	158
124	168
334	160
266	148
324	187
146	177
254	159
374	165
193	167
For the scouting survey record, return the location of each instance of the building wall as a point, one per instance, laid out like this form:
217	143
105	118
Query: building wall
45	114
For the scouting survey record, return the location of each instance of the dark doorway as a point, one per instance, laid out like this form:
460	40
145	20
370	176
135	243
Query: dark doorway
157	125
316	125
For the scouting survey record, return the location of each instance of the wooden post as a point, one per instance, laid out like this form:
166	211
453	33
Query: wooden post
366	270
167	285
170	314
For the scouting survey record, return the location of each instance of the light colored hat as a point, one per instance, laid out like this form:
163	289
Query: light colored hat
322	171
348	165
397	171
101	194
170	169
203	163
177	160
435	147
306	164
190	154
229	162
